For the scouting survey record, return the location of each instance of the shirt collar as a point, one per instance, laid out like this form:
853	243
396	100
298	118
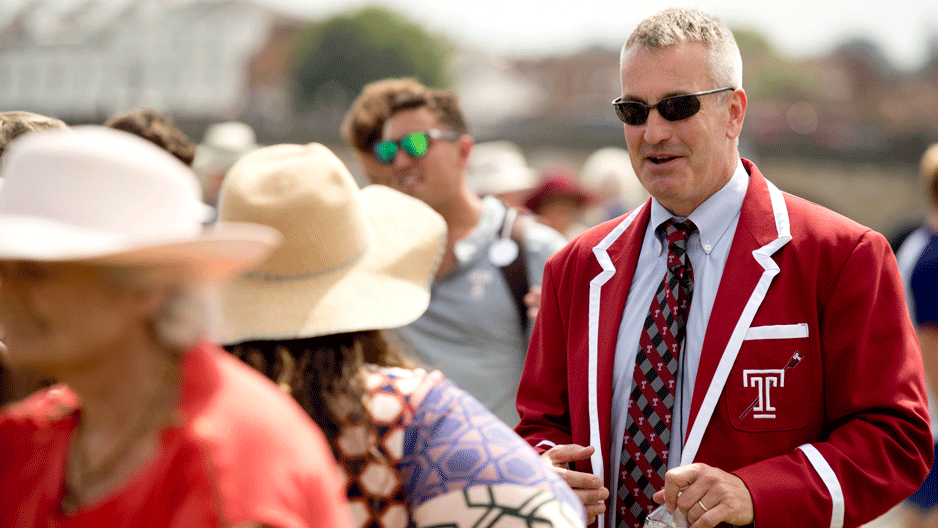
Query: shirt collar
714	216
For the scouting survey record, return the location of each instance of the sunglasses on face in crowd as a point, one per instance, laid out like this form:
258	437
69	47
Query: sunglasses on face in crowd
672	108
414	144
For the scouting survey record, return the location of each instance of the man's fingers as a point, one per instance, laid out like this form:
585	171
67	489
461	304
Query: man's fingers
697	517
676	481
589	496
708	496
560	456
580	481
587	487
533	297
594	510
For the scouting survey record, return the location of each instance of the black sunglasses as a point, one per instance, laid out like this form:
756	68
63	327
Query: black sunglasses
414	144
672	108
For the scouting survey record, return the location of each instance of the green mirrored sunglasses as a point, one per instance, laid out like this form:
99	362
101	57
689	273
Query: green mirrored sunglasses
414	144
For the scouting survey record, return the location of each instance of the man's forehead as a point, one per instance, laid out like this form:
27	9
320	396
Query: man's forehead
409	120
659	73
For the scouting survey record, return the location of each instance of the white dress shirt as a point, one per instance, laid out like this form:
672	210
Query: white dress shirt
716	220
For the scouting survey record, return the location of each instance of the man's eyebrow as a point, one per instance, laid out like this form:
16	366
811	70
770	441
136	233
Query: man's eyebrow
637	99
632	98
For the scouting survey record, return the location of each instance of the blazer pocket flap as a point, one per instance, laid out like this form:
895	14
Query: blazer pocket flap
785	331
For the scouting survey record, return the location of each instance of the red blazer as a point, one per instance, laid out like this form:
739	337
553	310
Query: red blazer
841	436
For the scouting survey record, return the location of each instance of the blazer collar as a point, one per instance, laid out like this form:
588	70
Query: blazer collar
762	230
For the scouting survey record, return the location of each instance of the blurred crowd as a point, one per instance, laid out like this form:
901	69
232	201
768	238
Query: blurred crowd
218	332
384	316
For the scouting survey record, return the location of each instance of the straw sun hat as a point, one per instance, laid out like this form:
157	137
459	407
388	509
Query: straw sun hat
352	259
104	196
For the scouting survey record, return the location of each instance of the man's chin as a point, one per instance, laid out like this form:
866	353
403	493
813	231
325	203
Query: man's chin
410	190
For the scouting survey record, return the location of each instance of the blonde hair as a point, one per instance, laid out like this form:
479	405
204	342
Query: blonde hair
684	25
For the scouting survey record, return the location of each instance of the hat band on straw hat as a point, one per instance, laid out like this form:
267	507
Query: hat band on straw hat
267	276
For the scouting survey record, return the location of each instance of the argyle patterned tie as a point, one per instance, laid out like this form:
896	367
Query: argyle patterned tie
648	423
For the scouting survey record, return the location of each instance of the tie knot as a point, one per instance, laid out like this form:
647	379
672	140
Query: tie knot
676	233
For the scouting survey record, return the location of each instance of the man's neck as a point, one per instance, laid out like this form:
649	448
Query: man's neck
461	214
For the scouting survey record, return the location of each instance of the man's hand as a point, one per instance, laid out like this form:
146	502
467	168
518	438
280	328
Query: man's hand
532	300
706	495
588	487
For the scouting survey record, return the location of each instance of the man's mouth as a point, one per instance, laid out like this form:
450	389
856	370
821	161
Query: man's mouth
659	160
407	181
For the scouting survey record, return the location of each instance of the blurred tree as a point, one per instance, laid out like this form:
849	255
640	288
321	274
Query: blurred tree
336	58
766	73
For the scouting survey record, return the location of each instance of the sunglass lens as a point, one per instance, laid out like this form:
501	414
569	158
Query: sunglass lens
631	113
416	144
679	107
385	151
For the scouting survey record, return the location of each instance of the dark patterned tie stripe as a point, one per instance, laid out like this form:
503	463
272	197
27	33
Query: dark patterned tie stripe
648	422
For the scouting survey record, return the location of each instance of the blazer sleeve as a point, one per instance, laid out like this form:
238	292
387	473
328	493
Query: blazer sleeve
876	447
542	392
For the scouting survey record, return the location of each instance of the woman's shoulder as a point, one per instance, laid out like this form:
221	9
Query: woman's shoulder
248	445
43	407
460	459
238	421
409	386
35	426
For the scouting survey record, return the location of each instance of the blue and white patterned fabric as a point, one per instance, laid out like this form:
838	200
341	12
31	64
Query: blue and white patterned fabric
432	455
462	466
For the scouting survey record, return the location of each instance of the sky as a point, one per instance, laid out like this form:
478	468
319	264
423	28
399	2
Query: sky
529	29
798	28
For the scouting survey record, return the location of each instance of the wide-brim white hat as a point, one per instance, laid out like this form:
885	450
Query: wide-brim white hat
352	259
222	145
497	167
101	195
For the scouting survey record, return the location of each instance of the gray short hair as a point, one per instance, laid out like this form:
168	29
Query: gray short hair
680	25
186	317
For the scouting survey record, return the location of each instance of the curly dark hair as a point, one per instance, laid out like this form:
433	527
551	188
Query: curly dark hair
157	128
320	370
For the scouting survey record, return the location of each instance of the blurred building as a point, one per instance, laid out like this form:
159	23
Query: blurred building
575	108
493	90
198	58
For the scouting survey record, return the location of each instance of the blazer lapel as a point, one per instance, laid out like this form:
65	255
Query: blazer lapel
762	230
617	255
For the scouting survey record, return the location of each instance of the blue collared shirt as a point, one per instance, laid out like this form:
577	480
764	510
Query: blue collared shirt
716	220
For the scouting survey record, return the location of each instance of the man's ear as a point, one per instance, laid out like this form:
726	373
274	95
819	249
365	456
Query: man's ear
737	113
465	143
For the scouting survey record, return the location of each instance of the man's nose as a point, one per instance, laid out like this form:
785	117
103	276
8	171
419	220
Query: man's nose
657	128
402	160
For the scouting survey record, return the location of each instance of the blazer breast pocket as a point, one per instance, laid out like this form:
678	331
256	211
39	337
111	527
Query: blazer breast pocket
771	379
